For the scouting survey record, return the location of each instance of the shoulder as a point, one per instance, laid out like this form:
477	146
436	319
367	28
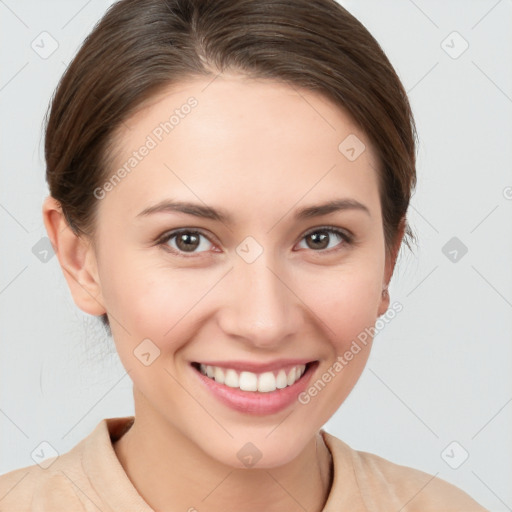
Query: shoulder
61	482
23	488
382	482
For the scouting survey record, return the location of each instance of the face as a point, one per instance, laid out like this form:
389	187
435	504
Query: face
249	283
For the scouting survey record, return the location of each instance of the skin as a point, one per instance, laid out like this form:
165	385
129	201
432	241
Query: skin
259	150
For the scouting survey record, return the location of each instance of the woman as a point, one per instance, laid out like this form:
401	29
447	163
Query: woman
229	183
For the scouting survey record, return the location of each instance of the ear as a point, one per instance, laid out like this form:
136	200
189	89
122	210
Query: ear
391	257
76	257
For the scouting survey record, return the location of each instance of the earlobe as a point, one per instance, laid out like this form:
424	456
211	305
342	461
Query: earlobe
384	302
76	257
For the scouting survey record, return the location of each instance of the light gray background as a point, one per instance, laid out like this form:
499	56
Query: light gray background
439	372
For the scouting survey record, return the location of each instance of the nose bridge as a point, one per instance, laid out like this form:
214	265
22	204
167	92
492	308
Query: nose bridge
259	306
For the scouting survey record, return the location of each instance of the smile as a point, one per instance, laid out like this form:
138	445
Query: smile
249	381
255	388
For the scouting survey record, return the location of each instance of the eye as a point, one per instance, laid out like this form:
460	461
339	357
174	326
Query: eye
320	238
184	241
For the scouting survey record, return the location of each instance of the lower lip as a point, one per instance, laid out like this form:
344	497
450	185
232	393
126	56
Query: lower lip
255	402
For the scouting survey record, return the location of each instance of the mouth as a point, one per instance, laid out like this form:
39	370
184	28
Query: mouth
256	392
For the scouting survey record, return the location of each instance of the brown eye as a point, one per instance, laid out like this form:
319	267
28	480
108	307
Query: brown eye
319	240
322	238
185	241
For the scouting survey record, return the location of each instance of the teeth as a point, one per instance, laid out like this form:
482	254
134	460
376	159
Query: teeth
231	379
281	380
219	375
266	382
291	376
249	381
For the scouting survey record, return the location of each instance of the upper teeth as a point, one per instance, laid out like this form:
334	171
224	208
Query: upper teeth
249	381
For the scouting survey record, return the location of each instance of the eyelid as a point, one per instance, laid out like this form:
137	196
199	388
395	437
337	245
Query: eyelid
341	231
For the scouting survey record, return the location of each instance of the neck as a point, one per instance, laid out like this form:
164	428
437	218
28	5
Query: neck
171	473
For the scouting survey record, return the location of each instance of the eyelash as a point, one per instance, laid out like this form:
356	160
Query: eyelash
347	239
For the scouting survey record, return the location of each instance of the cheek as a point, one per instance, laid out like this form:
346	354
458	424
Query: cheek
152	300
149	298
145	321
348	303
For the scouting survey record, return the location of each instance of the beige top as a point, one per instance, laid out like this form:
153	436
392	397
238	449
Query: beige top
89	478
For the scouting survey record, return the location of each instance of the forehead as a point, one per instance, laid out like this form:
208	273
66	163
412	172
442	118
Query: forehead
233	138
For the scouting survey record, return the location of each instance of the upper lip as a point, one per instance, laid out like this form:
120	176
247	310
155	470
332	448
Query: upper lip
254	367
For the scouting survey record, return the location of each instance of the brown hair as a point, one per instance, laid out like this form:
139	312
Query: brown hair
142	46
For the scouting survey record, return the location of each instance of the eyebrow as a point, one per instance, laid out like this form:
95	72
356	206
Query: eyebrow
221	215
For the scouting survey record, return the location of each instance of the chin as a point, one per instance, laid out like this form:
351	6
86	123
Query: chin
261	451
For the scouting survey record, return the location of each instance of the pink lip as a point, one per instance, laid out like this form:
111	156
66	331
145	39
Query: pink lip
251	366
254	402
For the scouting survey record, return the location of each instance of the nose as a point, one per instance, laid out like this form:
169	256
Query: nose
260	305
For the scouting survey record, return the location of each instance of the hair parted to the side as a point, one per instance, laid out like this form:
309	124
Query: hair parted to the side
140	47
